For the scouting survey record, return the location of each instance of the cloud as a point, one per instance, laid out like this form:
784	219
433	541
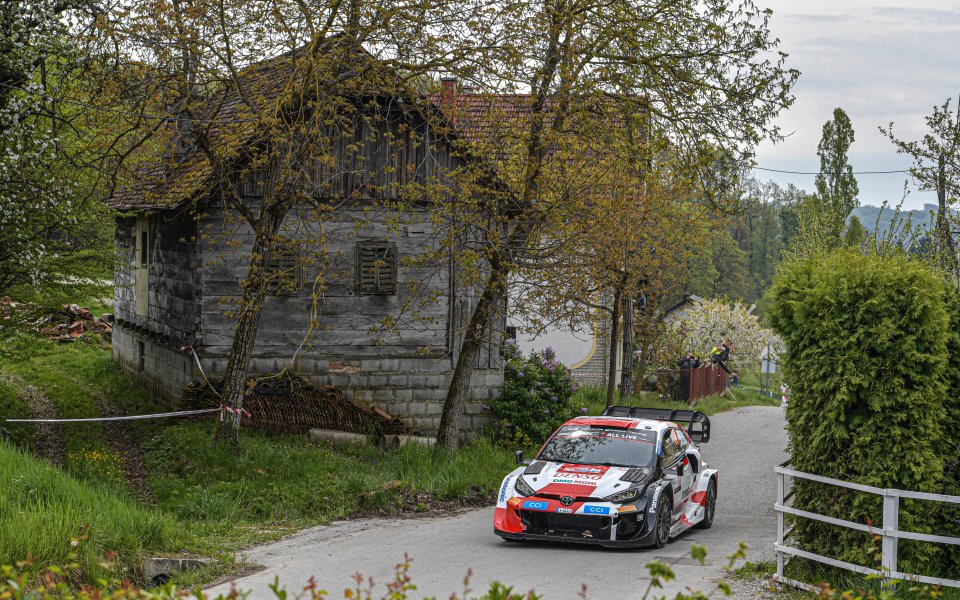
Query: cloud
880	64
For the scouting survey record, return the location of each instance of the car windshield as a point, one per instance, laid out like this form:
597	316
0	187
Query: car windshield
597	445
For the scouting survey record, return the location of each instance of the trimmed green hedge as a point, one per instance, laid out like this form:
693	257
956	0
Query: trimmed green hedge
867	363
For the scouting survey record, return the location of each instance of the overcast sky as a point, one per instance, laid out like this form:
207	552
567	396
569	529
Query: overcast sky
880	62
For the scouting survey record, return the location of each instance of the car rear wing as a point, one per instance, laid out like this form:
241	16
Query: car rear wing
697	423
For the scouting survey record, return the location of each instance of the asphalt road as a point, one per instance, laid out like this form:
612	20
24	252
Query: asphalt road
745	445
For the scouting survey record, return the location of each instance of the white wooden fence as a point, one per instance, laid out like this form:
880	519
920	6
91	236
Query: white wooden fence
889	531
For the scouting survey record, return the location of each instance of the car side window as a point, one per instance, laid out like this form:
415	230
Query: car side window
669	450
680	439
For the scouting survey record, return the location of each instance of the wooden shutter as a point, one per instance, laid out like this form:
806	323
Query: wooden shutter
286	273
376	268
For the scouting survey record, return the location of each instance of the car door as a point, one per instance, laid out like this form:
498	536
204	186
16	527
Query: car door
670	464
687	476
676	468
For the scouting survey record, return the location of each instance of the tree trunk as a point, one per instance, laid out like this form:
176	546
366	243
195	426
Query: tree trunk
947	247
614	345
245	331
448	434
516	242
626	372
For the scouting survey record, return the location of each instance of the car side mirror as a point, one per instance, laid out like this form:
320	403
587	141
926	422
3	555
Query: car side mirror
520	460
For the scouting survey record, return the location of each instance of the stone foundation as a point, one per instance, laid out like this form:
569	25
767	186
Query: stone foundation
163	372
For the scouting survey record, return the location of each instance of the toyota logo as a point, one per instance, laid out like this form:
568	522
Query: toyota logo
566	501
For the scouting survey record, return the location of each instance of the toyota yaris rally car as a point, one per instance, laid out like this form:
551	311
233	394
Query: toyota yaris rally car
632	477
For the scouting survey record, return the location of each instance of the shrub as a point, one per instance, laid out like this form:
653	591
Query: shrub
866	362
536	398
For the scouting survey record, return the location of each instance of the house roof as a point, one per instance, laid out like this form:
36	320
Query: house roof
481	118
488	122
688	299
163	182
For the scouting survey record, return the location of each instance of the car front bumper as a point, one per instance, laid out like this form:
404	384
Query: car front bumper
615	529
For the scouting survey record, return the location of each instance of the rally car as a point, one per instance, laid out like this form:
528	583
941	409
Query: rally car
631	477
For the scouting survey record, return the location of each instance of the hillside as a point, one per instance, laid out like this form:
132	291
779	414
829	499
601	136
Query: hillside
880	218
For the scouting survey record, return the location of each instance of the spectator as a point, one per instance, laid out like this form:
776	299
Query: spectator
720	354
734	379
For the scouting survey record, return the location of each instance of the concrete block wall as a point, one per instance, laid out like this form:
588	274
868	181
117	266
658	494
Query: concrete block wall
165	370
411	389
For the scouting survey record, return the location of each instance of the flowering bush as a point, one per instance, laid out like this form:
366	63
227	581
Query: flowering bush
712	321
536	397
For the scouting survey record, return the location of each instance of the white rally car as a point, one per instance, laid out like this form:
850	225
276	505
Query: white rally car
632	477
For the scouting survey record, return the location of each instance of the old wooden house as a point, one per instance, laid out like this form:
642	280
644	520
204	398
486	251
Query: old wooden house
185	251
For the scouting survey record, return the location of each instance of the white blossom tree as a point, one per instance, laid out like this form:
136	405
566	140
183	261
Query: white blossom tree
712	321
45	217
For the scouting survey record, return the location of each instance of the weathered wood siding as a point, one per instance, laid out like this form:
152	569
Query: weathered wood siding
195	286
405	371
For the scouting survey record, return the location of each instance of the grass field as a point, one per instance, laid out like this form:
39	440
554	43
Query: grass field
202	499
43	509
205	500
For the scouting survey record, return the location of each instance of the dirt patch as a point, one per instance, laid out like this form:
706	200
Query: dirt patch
396	501
123	439
48	439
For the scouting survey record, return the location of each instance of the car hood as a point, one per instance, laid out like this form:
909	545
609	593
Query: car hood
550	479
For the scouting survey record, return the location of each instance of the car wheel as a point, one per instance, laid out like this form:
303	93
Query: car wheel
709	507
662	527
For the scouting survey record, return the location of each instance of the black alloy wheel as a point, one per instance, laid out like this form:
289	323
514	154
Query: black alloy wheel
662	528
709	507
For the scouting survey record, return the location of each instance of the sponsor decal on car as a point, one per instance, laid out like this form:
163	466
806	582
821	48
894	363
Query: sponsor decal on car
581	469
564	510
577	478
536	505
503	489
656	499
590	509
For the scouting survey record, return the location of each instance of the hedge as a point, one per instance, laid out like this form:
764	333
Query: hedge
867	358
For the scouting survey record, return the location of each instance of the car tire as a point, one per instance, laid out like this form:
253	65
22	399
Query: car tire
709	507
661	529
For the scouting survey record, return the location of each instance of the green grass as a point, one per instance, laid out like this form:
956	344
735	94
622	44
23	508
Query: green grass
282	479
818	574
78	377
208	500
42	509
593	398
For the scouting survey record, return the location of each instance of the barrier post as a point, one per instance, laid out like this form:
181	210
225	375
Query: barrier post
780	486
891	524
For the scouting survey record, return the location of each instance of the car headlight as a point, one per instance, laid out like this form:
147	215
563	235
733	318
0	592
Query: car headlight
624	496
522	488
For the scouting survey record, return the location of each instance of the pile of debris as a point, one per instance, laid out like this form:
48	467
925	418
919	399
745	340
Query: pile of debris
291	404
72	321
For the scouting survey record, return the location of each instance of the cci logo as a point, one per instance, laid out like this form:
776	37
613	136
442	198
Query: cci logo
534	505
596	510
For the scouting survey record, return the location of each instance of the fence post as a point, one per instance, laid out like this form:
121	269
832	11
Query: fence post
780	485
891	524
